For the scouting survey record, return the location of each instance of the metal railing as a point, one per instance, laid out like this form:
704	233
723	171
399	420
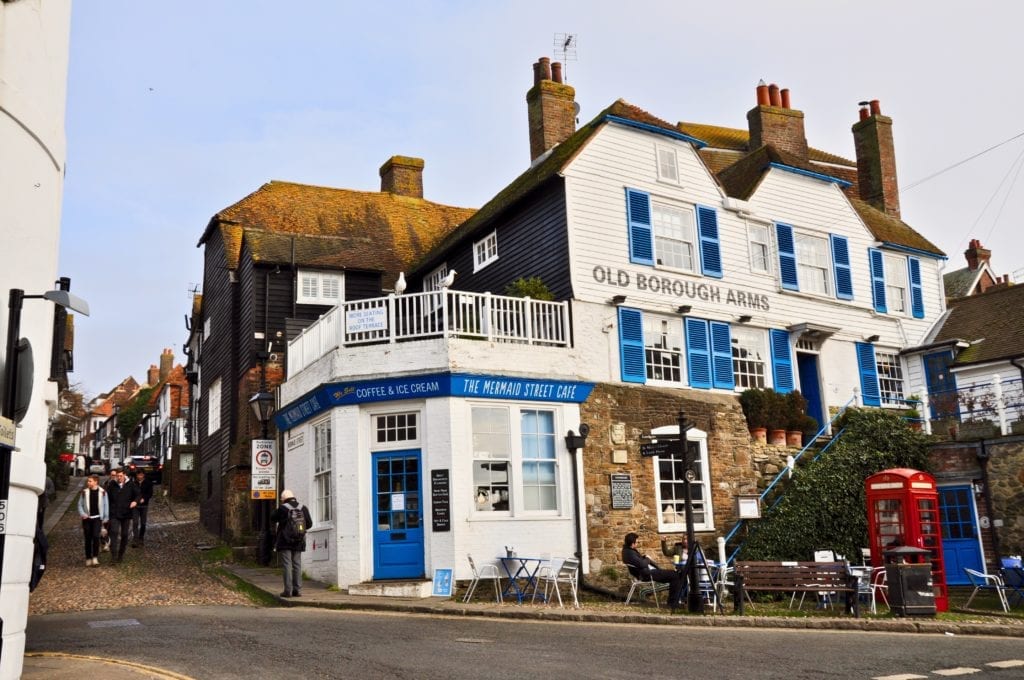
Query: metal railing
995	406
790	466
441	313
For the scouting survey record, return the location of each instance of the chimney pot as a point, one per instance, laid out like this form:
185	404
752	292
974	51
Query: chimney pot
773	95
785	98
876	107
536	72
556	71
863	113
545	68
762	94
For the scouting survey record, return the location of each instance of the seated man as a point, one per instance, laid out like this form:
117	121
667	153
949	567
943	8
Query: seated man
642	566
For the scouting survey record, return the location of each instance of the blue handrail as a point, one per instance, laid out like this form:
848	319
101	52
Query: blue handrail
787	468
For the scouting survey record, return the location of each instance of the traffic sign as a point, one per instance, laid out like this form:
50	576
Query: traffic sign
662	447
264	469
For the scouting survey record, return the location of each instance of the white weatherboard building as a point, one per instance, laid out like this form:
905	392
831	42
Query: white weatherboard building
34	39
689	262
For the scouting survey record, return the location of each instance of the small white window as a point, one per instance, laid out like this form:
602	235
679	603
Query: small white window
485	251
663	348
813	263
213	407
759	248
186	462
668	168
207	325
318	288
890	377
673	237
749	357
896	283
322	471
492	457
432	281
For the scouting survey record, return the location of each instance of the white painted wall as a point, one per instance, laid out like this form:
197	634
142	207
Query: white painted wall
34	40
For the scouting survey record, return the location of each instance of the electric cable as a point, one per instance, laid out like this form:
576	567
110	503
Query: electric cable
959	163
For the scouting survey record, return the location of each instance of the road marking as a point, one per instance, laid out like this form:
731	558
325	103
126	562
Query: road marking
472	641
1012	663
901	676
114	623
957	671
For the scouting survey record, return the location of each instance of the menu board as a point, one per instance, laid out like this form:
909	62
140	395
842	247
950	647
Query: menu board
440	500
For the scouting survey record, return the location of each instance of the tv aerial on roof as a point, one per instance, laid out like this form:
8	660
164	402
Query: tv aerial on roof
565	49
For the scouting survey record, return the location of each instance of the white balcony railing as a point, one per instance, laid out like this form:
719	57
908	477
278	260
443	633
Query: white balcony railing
442	313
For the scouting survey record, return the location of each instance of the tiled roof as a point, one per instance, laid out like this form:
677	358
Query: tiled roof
735	139
547	167
386	228
888	229
959	283
742	177
984	320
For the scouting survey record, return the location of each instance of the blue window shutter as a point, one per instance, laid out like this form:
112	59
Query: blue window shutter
868	374
721	355
638	214
841	263
710	248
631	345
698	353
787	256
916	293
782	361
877	280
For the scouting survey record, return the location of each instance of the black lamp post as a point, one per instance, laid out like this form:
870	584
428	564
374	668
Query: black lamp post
262	404
10	392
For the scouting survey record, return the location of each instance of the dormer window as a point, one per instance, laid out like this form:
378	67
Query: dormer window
668	166
318	288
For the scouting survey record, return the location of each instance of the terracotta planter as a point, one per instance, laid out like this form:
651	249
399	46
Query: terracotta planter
794	438
777	437
759	434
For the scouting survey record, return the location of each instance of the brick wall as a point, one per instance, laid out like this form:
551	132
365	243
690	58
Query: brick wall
780	127
618	415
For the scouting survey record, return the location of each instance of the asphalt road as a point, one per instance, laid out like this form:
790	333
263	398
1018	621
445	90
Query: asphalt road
246	642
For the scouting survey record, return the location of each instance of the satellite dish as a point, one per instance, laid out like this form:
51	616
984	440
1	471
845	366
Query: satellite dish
576	108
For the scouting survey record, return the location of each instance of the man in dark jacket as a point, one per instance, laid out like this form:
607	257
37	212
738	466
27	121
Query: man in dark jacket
643	567
291	540
141	512
123	496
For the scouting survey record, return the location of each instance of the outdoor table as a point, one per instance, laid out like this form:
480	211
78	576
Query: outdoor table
517	567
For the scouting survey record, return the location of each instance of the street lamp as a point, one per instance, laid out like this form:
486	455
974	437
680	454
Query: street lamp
10	392
262	404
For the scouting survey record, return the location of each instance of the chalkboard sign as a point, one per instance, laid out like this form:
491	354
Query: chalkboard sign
622	492
440	500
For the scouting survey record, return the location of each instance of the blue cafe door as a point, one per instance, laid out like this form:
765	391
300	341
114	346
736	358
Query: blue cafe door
807	367
397	515
960	546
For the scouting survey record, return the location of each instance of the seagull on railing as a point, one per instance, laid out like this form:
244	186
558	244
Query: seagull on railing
447	281
400	284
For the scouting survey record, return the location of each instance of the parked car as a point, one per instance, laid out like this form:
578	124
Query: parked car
149	464
97	467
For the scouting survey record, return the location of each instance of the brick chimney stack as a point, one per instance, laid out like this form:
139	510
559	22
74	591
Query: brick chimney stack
166	363
152	375
976	254
402	176
773	121
876	159
550	105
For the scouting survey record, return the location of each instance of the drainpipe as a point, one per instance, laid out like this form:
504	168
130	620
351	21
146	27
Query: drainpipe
983	456
1020	367
574	442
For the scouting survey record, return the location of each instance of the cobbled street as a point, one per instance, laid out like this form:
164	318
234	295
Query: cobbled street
167	571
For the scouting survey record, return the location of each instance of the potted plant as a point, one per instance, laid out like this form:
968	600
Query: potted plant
808	428
753	402
913	415
775	408
973	430
795	410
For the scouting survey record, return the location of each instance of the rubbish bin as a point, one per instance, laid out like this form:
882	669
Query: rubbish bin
909	577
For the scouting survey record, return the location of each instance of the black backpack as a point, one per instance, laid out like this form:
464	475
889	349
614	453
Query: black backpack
294	528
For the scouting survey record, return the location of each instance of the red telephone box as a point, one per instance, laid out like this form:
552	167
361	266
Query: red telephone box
903	509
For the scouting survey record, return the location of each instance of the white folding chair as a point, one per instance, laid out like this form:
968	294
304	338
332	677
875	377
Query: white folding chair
644	586
564	571
982	581
485	571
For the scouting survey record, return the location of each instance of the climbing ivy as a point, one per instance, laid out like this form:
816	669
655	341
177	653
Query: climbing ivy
824	503
132	412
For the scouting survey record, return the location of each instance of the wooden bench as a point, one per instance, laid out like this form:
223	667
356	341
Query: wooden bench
796	577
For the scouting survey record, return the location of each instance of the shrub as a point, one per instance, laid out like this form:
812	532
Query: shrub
754	404
532	287
795	410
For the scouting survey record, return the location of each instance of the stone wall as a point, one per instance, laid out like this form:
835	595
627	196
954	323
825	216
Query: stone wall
618	416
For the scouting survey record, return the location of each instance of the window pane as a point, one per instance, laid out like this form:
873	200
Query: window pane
813	263
673	236
663	340
748	358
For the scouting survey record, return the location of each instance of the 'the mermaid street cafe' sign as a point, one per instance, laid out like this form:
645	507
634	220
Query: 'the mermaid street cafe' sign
678	288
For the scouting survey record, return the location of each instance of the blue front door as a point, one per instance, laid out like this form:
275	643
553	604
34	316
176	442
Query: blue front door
941	386
960	546
807	365
397	515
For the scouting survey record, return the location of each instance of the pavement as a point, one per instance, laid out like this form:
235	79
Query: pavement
179	519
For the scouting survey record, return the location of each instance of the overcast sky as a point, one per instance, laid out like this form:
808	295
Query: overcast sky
176	111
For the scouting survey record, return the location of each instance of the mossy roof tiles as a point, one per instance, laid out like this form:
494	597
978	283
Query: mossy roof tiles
379	226
959	283
735	139
991	322
889	229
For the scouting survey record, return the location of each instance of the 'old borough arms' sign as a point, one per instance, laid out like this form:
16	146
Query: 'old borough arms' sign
691	290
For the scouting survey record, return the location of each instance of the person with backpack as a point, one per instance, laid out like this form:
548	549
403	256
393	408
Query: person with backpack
293	521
